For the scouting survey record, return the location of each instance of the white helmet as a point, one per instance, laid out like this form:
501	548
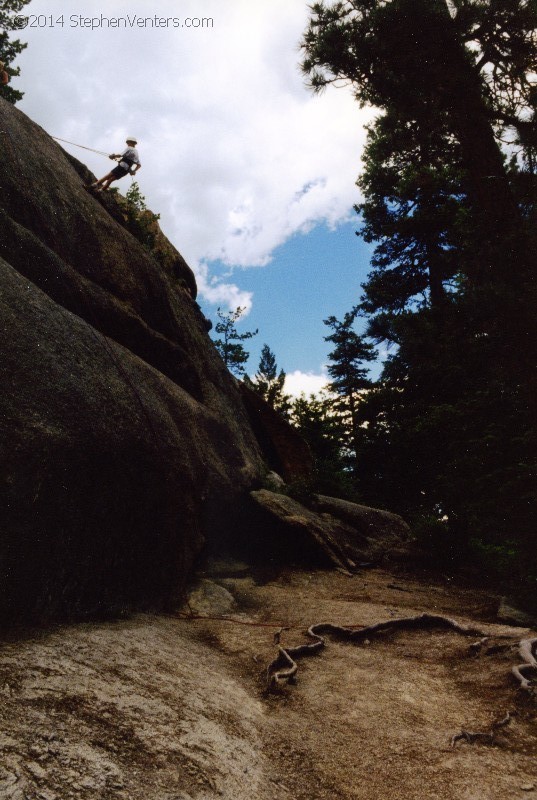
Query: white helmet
132	139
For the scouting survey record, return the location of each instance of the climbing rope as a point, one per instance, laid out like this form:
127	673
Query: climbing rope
66	141
100	152
91	149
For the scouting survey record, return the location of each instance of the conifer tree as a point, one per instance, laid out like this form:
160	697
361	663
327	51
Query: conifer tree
325	433
230	345
449	428
349	376
410	58
10	48
268	382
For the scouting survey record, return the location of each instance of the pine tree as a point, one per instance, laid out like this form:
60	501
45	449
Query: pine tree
414	199
325	434
10	49
230	346
268	382
448	429
410	57
349	376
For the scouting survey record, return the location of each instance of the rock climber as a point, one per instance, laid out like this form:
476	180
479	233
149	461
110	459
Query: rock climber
129	163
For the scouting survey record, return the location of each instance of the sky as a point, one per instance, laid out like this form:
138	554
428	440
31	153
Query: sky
253	176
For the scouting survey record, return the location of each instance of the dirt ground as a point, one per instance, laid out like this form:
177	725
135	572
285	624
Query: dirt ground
170	708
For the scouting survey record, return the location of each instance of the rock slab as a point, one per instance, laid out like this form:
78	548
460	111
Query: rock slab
124	440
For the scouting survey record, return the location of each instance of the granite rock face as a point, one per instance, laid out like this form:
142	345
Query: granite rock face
124	439
286	452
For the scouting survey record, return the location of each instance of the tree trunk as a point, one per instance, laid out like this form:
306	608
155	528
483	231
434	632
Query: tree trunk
450	79
505	264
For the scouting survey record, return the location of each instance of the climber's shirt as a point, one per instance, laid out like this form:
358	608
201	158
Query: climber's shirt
128	158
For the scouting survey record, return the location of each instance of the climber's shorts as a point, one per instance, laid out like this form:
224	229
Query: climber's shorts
119	172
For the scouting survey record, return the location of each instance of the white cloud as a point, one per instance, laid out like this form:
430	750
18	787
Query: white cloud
227	295
298	382
237	154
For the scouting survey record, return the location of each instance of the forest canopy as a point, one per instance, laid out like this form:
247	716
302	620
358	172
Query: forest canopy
447	435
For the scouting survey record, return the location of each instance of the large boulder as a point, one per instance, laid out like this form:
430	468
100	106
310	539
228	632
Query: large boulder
330	532
284	531
383	530
125	441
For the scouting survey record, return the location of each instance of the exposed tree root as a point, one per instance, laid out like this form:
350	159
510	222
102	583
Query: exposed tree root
526	651
476	647
284	668
486	738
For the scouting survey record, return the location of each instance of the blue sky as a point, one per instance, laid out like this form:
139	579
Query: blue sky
253	176
310	277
